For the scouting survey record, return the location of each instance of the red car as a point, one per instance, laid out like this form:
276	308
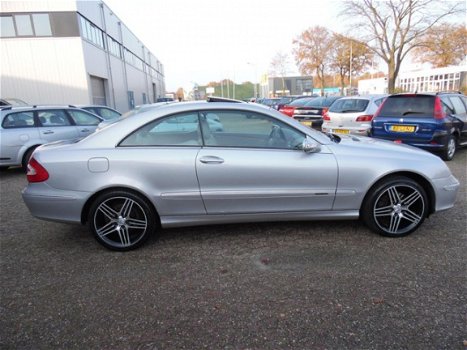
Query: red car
289	109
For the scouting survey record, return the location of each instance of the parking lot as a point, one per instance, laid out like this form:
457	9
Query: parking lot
297	285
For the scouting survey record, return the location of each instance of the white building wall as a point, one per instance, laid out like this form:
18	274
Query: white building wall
37	6
44	70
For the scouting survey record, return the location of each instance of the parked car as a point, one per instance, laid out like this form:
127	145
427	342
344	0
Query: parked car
352	115
10	101
165	99
135	176
311	113
104	112
24	128
289	109
436	122
270	102
285	100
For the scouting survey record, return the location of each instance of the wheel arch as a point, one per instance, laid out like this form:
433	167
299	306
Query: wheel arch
422	181
90	200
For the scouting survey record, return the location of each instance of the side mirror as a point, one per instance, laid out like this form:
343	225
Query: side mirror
310	146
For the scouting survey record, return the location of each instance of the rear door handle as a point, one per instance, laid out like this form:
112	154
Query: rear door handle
211	160
48	132
84	130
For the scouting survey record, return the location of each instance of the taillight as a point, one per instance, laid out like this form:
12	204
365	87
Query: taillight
326	116
36	172
439	112
364	118
287	110
324	111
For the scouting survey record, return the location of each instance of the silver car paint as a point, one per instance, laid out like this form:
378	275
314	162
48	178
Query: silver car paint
328	184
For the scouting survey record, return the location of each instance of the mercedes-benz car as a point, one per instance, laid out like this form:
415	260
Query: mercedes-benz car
132	178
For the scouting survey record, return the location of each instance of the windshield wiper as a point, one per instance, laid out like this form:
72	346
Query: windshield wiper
412	112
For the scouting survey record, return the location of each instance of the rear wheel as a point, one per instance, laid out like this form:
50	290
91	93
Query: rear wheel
450	150
26	157
396	207
121	220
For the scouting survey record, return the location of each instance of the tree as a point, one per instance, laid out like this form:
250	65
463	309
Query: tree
349	57
312	52
443	45
393	28
280	67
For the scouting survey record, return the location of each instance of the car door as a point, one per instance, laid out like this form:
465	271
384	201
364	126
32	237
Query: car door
459	103
18	133
255	164
55	125
85	123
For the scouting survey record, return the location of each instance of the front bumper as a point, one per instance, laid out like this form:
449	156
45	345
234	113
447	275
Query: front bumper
445	191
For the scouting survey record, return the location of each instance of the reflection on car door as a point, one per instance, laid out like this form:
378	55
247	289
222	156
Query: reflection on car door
259	180
55	125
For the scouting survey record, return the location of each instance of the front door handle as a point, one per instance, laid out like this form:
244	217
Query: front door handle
48	132
211	160
84	130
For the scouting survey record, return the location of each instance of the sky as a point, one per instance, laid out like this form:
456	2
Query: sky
208	40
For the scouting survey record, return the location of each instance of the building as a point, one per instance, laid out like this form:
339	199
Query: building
74	52
284	86
453	78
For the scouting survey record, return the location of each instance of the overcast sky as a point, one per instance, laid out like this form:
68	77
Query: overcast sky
208	40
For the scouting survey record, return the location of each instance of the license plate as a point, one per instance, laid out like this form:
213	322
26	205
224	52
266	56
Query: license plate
341	131
402	128
307	123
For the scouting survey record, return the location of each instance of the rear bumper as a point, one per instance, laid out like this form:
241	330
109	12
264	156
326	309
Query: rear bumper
47	203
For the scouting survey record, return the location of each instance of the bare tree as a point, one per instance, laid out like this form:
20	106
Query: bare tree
393	28
280	67
349	57
312	52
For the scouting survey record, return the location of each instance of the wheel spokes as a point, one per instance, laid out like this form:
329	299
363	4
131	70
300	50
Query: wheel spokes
136	224
411	199
384	211
393	195
106	229
110	213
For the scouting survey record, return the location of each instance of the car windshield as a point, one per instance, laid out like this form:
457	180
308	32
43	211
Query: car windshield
349	105
403	105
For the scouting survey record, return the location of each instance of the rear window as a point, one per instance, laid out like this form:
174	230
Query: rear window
321	101
18	120
300	102
400	106
349	106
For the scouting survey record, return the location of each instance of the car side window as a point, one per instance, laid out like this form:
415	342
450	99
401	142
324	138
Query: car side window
82	118
243	129
176	130
55	117
379	101
458	105
106	113
18	120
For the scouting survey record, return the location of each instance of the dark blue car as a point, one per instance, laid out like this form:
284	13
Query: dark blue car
436	122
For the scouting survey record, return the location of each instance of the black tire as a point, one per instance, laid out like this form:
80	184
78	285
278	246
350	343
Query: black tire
395	207
27	155
121	220
451	148
4	168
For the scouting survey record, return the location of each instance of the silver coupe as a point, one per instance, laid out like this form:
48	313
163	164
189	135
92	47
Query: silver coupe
133	177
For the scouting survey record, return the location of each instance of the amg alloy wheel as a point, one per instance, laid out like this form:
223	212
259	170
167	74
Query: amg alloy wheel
121	220
396	208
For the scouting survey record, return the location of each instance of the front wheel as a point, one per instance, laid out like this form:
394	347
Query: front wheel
396	207
121	220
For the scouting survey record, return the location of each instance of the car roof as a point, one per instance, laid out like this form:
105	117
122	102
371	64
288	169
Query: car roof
364	97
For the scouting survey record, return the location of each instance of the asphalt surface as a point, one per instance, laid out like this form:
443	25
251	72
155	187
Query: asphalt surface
300	285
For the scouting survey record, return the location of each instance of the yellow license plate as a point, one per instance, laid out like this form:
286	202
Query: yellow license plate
402	128
307	123
341	131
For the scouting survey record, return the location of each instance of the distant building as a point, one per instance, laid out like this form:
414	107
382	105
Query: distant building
278	86
74	52
453	78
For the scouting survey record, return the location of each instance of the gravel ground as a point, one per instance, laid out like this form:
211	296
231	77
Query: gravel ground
299	285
